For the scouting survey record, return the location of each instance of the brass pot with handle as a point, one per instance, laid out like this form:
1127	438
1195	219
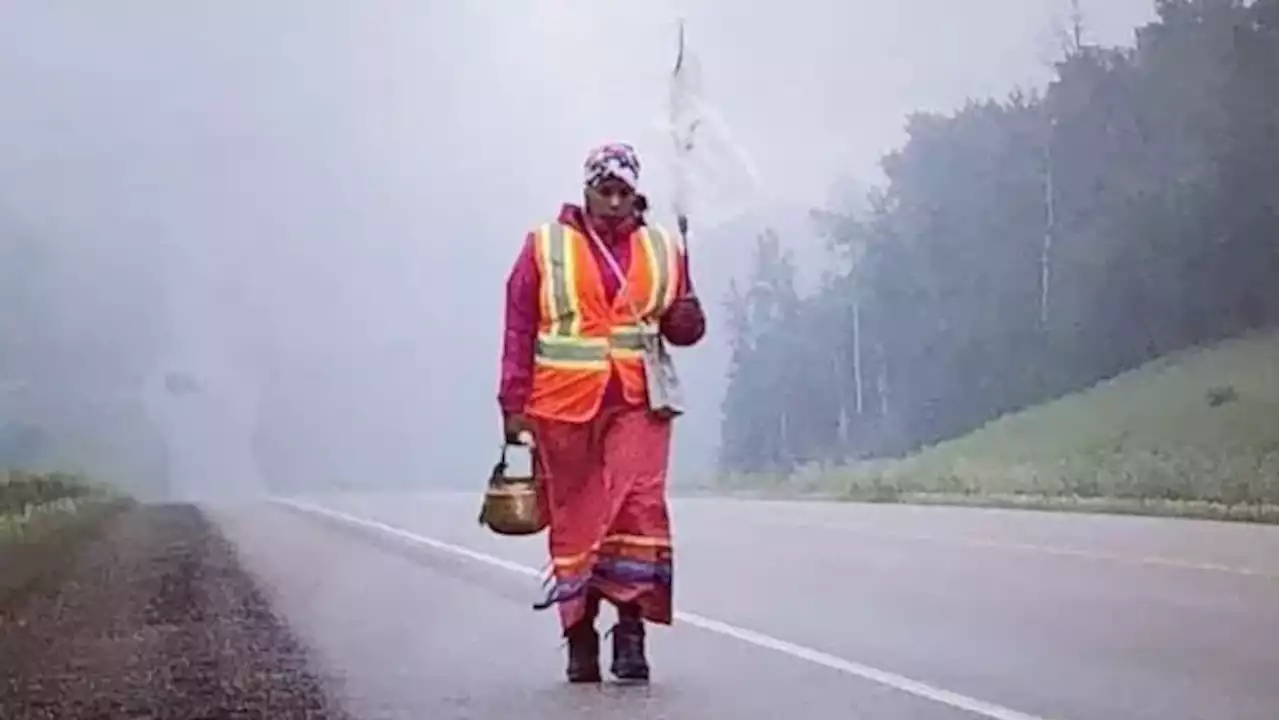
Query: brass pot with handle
512	504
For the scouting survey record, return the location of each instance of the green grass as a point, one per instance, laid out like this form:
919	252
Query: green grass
35	504
1191	434
44	519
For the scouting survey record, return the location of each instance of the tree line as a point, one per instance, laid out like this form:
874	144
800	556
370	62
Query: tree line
1023	248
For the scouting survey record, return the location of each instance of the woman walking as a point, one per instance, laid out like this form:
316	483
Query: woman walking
582	294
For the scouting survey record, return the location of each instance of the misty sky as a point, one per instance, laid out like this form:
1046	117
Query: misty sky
330	194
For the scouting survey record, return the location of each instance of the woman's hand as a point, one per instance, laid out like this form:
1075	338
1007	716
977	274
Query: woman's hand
513	426
684	323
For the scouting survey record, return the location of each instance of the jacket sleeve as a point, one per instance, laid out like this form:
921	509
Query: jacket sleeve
520	329
684	324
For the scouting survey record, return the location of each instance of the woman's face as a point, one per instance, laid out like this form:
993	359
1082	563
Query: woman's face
611	198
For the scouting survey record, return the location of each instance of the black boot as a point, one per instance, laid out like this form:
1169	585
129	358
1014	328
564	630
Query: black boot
629	661
584	653
584	645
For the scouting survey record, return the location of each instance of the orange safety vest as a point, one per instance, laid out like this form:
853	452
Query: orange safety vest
582	337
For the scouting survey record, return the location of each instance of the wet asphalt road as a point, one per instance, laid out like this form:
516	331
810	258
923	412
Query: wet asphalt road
858	611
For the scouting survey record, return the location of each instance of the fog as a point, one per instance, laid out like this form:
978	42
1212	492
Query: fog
311	208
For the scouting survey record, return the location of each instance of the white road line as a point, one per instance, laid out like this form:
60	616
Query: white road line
800	652
1150	560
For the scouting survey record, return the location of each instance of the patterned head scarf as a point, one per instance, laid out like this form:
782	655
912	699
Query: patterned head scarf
615	160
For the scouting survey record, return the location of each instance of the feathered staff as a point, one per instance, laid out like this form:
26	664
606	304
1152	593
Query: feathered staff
685	119
703	150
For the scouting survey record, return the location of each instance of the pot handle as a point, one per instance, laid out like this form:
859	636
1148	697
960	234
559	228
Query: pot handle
500	468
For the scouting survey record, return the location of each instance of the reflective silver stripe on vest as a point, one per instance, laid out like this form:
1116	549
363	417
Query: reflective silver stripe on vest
558	349
563	277
661	259
627	338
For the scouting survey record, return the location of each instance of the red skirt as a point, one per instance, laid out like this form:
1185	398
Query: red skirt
604	488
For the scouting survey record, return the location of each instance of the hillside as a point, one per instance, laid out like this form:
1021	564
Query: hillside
1194	433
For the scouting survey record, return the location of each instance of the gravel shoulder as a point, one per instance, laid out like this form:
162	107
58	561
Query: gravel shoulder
154	618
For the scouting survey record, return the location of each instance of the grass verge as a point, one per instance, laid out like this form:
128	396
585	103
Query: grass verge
44	520
1190	435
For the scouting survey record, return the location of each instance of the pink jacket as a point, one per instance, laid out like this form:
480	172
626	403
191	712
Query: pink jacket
683	324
